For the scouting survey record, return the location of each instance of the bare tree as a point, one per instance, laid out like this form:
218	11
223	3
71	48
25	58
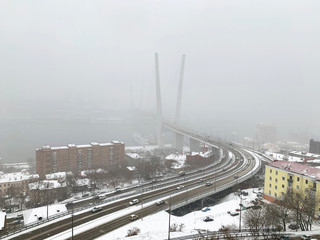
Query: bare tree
255	219
303	205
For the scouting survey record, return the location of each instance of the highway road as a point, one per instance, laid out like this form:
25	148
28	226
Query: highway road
221	174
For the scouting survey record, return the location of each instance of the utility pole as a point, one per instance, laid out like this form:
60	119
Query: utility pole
169	218
72	221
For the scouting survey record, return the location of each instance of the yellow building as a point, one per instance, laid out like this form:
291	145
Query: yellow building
281	176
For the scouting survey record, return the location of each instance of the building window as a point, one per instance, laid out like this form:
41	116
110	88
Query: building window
282	193
270	185
79	159
276	172
276	187
297	187
306	181
276	180
269	192
270	170
275	194
89	158
298	179
270	178
283	178
54	162
282	186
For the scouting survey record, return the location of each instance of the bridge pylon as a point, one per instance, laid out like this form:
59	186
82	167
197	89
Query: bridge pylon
159	109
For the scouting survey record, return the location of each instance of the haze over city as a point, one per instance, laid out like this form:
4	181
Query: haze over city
246	62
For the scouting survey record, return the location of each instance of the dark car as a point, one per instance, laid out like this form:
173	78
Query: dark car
17	221
160	202
306	237
208	219
244	193
284	237
205	209
293	226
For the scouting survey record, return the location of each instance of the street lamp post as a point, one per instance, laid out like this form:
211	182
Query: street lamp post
169	218
72	221
240	208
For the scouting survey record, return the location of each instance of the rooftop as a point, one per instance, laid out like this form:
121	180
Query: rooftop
299	168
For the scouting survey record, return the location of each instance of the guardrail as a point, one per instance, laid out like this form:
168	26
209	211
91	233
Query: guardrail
263	234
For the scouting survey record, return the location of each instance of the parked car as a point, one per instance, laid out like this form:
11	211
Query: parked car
19	216
134	201
205	209
160	202
17	221
96	209
284	237
208	219
233	213
133	217
244	193
306	237
102	196
293	226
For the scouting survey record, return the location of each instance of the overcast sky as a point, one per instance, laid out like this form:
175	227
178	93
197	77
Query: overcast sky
246	61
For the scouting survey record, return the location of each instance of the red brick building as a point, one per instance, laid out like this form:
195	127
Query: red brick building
78	157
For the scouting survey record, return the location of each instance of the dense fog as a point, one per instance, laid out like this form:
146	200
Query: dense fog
247	62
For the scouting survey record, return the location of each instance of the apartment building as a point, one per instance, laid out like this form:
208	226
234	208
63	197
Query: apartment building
314	146
282	176
75	158
266	133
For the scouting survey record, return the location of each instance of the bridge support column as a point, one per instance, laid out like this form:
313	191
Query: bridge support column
178	142
194	145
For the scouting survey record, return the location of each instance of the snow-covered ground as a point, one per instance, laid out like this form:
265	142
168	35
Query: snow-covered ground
155	227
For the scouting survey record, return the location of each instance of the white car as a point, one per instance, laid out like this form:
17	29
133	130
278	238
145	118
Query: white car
180	187
134	201
133	217
96	209
160	202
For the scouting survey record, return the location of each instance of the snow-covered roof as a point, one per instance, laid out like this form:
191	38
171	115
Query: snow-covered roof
131	168
83	182
58	148
305	154
280	157
17	176
179	160
202	154
134	155
294	167
57	175
46	184
79	146
2	219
